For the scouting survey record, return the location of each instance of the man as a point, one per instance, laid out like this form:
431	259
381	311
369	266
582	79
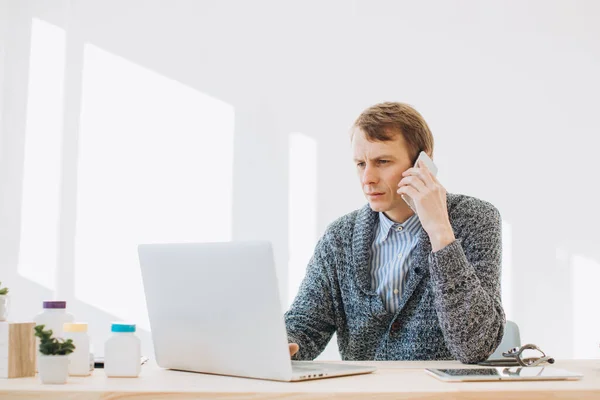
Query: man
393	284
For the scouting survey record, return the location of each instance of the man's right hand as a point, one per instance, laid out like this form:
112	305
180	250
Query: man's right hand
293	348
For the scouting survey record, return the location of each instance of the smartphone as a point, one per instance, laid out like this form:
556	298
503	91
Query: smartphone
432	168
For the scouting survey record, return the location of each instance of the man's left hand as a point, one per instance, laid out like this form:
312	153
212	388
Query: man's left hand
429	197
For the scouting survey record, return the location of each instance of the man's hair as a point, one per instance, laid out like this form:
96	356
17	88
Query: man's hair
383	121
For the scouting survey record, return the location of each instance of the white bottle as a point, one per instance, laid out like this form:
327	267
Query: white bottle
54	316
79	359
92	359
122	352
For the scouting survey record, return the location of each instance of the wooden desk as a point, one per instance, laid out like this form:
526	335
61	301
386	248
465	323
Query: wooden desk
393	380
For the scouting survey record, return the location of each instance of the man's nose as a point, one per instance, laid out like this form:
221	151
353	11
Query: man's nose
369	176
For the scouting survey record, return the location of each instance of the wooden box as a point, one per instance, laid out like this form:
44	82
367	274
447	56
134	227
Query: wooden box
17	349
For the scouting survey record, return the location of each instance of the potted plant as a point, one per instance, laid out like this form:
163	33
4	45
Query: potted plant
53	363
3	303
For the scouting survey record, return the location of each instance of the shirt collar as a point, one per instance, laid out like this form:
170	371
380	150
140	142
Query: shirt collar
411	226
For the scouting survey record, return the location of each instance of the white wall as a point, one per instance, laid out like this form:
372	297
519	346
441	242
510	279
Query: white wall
3	36
509	88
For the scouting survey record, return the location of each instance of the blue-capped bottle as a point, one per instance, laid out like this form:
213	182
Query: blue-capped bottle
122	352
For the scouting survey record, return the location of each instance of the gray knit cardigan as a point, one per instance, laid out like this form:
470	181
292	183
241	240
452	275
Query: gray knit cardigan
450	307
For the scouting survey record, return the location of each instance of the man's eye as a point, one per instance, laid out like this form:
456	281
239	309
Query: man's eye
383	161
360	164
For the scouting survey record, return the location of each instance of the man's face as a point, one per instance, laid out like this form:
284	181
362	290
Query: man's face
380	166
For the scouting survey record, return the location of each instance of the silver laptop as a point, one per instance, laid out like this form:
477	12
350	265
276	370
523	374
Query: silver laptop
215	308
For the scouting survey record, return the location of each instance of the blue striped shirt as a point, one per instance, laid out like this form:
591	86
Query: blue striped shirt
390	258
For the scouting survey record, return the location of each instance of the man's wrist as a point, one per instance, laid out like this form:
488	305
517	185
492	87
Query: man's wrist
441	238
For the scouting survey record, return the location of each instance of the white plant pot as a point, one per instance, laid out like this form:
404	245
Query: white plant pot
53	369
3	307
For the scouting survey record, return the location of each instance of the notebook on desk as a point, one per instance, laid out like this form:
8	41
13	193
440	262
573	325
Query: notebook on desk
215	308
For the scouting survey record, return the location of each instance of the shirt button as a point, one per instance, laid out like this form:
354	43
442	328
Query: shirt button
395	291
399	229
400	255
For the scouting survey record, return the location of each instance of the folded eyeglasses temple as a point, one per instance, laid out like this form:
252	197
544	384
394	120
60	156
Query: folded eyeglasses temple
516	352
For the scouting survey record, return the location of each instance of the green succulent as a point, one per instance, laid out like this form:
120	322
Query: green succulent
3	290
50	346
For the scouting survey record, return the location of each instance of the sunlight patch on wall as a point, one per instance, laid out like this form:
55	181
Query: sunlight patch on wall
41	169
155	165
302	208
507	282
586	298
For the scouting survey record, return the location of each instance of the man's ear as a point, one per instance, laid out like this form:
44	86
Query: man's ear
415	158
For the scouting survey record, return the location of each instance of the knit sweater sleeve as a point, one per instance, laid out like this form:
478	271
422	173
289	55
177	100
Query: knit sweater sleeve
466	278
310	321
